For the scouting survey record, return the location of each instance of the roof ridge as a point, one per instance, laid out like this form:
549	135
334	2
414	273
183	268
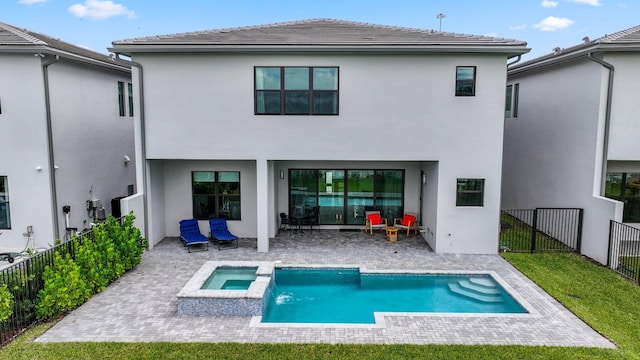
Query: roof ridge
22	33
311	21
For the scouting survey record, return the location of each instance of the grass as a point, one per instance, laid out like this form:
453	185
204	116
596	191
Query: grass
516	236
606	301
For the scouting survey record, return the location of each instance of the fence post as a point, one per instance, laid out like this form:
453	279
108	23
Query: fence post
534	227
579	235
610	241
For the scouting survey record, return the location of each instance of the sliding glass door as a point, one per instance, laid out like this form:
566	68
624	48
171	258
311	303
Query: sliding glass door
331	196
345	195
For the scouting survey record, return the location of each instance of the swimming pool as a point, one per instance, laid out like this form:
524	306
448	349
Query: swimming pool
339	295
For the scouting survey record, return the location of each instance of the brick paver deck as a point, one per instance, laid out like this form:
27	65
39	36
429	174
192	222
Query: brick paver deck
142	305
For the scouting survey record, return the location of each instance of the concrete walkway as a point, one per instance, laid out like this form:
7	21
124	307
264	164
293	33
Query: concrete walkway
142	305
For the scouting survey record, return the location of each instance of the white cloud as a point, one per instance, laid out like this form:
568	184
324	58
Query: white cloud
588	2
549	3
518	27
100	9
553	23
30	2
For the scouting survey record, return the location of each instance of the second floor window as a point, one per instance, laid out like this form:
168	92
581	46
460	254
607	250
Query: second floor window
130	92
465	80
121	98
296	91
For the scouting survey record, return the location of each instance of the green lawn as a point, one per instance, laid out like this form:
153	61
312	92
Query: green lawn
515	235
606	301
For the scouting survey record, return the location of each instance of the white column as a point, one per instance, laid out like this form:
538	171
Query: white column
262	204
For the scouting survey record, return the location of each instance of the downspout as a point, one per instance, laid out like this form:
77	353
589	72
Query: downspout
607	119
517	60
143	147
52	175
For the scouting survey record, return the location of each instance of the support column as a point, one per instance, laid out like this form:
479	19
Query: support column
262	204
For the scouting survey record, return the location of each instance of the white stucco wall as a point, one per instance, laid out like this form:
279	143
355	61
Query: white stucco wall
624	143
24	148
553	149
89	144
90	138
392	108
178	183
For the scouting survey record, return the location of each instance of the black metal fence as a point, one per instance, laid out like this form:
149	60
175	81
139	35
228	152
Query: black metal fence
24	281
624	250
541	229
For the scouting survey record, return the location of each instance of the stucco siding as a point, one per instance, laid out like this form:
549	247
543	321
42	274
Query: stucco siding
553	149
91	140
625	109
24	150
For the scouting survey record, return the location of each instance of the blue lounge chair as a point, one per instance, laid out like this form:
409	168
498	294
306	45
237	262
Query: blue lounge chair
191	235
220	232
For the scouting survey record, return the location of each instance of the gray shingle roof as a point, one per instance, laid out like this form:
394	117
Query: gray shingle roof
15	39
627	40
319	32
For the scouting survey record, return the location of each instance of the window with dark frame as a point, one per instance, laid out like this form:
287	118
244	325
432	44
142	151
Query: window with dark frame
130	93
508	101
216	194
465	80
344	195
470	192
516	96
5	214
121	98
296	90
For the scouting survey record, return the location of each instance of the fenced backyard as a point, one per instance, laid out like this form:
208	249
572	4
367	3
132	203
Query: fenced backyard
624	250
24	281
47	284
541	229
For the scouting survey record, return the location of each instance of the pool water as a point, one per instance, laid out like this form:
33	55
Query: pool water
231	278
346	296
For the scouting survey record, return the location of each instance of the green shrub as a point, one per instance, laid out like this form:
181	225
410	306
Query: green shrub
6	303
98	261
64	288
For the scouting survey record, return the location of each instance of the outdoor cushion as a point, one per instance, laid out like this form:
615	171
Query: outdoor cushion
374	219
407	220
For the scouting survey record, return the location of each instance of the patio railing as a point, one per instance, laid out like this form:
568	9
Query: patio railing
541	229
624	250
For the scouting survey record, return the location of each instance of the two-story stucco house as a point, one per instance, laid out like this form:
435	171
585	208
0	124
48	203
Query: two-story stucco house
67	137
572	134
246	123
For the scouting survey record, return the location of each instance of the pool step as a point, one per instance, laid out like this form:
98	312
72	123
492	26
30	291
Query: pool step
479	289
486	287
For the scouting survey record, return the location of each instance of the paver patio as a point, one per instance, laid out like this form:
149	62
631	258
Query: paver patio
142	305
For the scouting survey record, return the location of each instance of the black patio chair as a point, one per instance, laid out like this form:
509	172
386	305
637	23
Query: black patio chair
285	224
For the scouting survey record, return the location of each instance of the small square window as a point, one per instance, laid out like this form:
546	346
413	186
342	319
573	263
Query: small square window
470	192
465	81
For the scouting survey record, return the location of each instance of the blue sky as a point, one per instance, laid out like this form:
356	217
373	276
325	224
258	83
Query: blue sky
544	24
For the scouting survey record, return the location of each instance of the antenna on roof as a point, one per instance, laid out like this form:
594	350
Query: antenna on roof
441	16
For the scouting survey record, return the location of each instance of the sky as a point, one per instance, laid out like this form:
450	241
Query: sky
543	24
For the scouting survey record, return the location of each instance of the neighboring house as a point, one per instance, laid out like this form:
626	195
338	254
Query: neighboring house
67	132
572	134
246	123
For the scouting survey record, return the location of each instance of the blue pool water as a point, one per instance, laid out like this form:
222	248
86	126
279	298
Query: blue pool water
346	296
231	278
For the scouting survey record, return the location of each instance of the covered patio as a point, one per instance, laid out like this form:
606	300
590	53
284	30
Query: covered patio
142	305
